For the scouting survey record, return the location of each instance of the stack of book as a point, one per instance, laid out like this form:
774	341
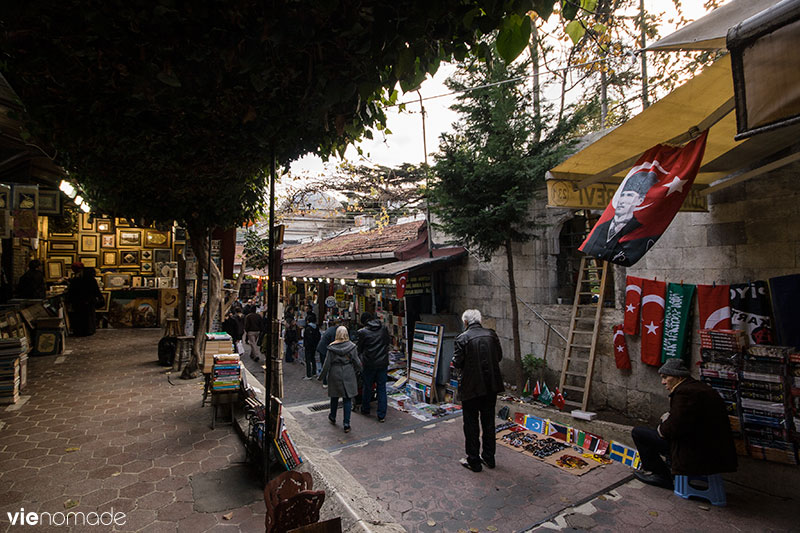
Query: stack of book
721	351
287	451
225	373
11	352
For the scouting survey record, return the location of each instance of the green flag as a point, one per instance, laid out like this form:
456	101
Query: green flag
677	321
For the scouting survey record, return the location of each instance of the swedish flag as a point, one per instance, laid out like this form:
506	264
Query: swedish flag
624	454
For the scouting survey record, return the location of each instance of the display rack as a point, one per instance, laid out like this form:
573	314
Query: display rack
424	361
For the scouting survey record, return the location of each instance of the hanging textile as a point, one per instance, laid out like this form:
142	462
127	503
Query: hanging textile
714	302
645	202
633	301
785	292
621	357
678	322
750	311
653	293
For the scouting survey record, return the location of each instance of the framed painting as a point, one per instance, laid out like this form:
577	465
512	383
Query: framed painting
104	225
147	267
89	243
162	256
87	222
89	261
150	283
108	258
156	239
180	234
136	282
122	222
108	240
63	246
54	269
128	258
147	255
116	280
5	197
68	259
129	238
49	202
26	197
106	301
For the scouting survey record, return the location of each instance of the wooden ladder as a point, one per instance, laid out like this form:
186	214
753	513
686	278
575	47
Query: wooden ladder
576	374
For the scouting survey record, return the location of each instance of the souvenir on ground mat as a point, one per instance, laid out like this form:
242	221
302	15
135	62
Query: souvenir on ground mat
534	424
516	440
572	461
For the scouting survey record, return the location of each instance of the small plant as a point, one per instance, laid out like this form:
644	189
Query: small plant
533	365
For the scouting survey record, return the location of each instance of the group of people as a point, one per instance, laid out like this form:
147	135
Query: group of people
246	326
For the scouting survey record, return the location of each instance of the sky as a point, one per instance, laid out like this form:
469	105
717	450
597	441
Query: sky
405	143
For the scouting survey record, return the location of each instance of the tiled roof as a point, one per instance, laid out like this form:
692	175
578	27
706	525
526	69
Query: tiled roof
375	241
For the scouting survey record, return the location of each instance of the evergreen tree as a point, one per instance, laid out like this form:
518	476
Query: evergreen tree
491	166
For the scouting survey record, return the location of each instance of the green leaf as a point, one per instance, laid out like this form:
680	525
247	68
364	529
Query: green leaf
600	28
513	37
543	8
589	5
169	78
575	30
569	9
405	63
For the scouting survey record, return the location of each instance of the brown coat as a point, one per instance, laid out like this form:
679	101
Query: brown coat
698	431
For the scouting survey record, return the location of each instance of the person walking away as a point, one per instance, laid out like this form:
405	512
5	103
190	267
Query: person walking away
477	355
231	326
31	283
311	337
290	338
373	345
253	325
322	347
238	316
83	297
339	369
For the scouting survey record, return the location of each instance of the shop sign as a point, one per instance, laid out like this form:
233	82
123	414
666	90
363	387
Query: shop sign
291	288
339	296
565	193
418	285
330	301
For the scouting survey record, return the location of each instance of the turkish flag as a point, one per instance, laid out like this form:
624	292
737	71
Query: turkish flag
633	300
645	202
401	279
621	357
259	285
715	306
653	293
558	401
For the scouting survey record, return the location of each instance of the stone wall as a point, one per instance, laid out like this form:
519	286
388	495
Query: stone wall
752	231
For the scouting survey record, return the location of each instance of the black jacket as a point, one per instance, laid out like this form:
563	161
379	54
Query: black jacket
311	336
698	431
373	344
253	322
477	355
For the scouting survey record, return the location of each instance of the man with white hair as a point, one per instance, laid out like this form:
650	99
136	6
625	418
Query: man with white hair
477	356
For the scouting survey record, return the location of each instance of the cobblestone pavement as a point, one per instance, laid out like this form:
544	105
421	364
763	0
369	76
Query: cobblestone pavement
104	428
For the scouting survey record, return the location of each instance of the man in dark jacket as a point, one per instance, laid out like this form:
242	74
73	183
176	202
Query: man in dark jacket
31	283
373	347
477	355
311	337
322	346
253	324
695	433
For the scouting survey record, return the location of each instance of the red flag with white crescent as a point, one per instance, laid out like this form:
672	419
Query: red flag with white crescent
633	301
645	202
621	357
401	279
653	293
714	302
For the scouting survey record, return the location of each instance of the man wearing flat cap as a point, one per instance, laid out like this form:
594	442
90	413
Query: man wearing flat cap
695	434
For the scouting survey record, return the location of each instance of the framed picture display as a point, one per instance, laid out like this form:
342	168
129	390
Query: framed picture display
63	246
127	238
87	223
106	301
155	239
147	267
136	282
128	258
104	225
54	269
108	258
147	255
116	280
5	197
26	197
89	243
122	222
68	259
163	283
49	202
89	261
180	234
150	283
5	224
108	240
162	256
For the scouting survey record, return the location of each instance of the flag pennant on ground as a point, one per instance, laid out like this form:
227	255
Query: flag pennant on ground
519	418
714	303
558	399
624	454
677	321
526	391
621	357
401	279
750	311
633	303
534	424
653	293
557	431
537	390
546	397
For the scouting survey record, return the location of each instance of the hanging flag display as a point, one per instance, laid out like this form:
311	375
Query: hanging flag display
621	357
645	202
401	279
677	321
633	300
714	304
750	311
653	293
785	295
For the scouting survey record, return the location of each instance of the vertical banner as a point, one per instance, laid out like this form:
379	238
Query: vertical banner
750	311
785	296
621	357
633	301
678	322
653	293
645	202
401	279
714	304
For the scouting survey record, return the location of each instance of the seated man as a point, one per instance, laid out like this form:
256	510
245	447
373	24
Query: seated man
695	433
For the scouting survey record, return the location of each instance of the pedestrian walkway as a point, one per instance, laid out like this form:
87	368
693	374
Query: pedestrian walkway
104	427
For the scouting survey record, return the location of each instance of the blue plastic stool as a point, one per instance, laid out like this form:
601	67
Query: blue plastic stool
714	493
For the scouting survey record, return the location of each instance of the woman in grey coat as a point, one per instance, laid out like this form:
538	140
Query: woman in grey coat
340	368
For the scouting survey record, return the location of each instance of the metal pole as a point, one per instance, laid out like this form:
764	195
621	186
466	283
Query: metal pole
427	203
271	303
208	285
645	100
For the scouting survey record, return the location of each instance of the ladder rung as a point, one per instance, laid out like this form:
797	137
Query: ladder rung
570	387
577	374
587	346
586	293
573	403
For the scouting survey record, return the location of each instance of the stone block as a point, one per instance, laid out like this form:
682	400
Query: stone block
709	257
661	257
725	234
765	256
764	231
617	398
638	405
726	212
